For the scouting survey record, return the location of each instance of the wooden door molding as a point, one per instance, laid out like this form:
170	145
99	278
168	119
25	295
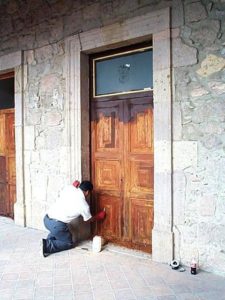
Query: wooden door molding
7	75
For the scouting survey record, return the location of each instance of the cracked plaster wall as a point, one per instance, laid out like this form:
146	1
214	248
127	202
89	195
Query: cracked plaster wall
198	58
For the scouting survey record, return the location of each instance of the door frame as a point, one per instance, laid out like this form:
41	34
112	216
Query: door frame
156	26
14	62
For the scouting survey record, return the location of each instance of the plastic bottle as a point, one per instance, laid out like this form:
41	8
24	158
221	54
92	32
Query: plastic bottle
97	244
193	266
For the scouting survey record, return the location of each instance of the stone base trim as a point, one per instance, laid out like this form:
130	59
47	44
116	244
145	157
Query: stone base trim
19	214
162	246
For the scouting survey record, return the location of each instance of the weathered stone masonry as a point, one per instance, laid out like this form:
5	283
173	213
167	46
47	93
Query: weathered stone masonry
33	37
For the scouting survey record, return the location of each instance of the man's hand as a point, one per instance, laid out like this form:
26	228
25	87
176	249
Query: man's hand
101	215
76	183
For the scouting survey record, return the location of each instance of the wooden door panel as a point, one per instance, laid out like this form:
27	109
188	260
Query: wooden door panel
106	127
110	227
107	175
3	172
11	170
12	199
10	133
142	224
140	127
141	181
3	197
2	134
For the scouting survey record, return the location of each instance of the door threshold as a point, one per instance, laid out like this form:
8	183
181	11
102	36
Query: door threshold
110	247
127	251
6	219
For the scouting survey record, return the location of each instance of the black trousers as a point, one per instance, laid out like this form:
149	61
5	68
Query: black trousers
59	238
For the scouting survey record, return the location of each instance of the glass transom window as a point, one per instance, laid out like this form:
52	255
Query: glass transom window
123	73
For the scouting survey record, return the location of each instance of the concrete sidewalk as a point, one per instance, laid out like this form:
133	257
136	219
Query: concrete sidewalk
81	274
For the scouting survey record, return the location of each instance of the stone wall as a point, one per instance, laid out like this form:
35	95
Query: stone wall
198	59
199	136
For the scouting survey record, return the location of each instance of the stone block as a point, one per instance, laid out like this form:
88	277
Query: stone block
33	118
194	12
210	65
76	19
177	13
55	29
212	141
39	184
48	83
19	214
29	137
53	138
217	87
10	61
43	53
207	205
52	118
198	92
182	80
91	11
182	54
184	155
162	117
162	157
162	242
18	110
162	84
217	261
192	132
12	7
179	190
204	33
190	234
177	122
161	52
206	233
162	200
27	41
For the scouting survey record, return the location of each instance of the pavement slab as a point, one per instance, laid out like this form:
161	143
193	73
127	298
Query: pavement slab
79	274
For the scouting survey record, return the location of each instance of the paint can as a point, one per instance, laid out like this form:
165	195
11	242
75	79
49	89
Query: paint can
97	243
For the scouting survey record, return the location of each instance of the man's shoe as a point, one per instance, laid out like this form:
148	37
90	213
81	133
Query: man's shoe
45	254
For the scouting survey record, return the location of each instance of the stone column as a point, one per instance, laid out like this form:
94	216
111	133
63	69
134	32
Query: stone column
162	236
73	109
20	205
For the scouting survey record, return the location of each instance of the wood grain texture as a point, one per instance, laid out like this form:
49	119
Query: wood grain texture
7	163
122	169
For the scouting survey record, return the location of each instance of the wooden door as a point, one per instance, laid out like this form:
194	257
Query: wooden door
122	169
7	162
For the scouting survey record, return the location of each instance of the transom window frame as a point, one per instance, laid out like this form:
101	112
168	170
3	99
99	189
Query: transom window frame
120	53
